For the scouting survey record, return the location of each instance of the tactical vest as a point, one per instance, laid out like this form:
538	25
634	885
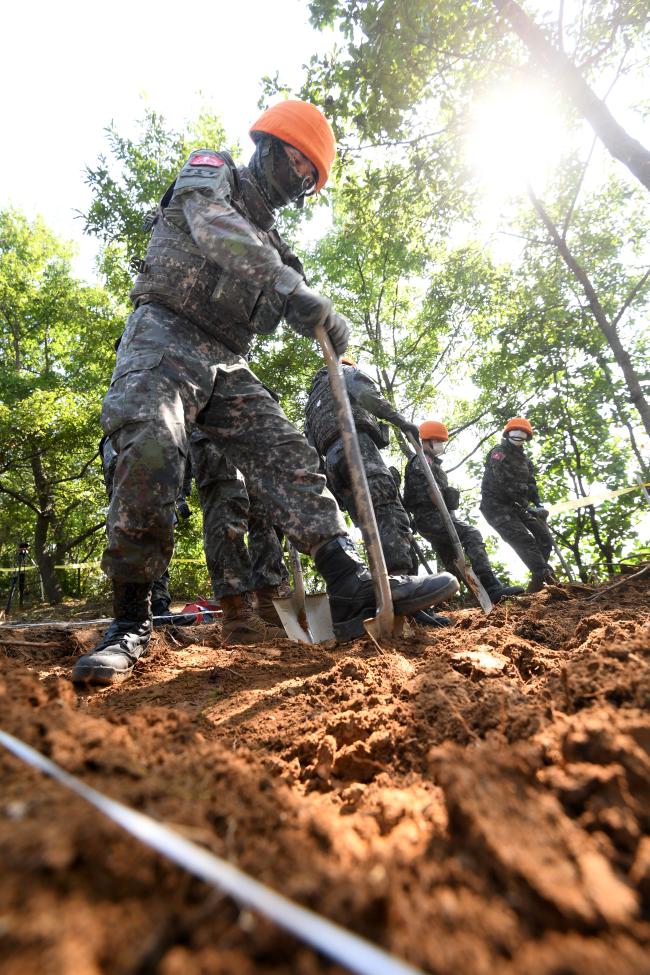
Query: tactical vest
417	499
504	480
177	275
321	416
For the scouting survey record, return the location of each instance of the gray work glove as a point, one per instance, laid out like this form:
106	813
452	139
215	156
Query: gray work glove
407	428
306	309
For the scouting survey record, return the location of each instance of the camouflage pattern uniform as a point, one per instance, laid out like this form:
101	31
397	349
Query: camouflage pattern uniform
229	512
322	430
429	524
215	273
160	594
508	488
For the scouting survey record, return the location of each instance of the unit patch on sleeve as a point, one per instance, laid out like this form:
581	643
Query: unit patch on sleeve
497	455
206	159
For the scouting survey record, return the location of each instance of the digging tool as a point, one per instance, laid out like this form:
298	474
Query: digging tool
464	571
382	625
306	618
419	554
556	547
565	565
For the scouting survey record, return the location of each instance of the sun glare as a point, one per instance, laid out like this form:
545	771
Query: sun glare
515	137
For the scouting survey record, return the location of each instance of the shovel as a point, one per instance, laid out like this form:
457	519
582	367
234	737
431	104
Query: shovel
556	547
305	618
464	571
381	625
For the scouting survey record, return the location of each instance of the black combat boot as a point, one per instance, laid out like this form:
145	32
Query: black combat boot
352	595
431	619
495	588
126	639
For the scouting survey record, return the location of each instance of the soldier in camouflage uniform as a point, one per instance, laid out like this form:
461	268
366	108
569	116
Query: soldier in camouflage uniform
322	431
428	522
215	273
239	571
510	502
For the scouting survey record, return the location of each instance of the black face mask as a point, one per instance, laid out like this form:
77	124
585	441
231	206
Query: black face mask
279	182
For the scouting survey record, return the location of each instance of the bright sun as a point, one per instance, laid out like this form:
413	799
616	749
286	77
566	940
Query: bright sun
516	136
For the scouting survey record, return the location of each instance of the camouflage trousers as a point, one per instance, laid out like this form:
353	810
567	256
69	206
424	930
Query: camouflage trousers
236	564
392	520
432	528
528	535
169	375
160	594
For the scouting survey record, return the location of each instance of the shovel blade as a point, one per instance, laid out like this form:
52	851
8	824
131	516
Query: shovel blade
472	582
313	625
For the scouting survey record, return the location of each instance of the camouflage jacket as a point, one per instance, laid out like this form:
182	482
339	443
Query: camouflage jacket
321	425
417	499
509	477
215	256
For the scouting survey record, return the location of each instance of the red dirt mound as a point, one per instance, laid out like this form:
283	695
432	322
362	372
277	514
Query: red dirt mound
475	799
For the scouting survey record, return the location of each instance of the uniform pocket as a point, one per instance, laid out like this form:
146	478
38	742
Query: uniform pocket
136	391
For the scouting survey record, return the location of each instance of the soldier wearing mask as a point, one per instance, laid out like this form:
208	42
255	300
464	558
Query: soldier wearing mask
429	524
216	273
322	430
510	502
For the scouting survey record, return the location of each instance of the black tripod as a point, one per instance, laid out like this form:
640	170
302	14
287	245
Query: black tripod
18	578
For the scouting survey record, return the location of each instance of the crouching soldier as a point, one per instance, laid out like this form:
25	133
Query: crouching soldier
368	408
510	502
429	523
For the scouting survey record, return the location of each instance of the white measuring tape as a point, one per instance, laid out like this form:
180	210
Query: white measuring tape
342	946
64	624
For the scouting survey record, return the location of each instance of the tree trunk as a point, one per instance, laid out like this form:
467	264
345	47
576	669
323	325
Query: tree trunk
614	137
622	357
44	521
46	561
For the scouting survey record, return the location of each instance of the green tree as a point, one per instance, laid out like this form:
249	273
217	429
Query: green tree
56	352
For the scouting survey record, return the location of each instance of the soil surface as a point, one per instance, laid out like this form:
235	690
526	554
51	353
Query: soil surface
475	800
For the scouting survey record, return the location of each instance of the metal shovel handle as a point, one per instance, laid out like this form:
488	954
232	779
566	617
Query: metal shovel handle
556	548
435	494
385	617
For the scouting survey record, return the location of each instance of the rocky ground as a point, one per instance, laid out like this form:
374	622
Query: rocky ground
476	800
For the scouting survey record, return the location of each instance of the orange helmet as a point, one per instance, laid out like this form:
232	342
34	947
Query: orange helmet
304	127
348	360
518	423
433	430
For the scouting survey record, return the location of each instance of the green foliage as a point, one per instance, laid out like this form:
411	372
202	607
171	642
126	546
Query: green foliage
56	356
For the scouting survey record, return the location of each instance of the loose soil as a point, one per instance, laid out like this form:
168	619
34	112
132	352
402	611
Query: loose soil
475	800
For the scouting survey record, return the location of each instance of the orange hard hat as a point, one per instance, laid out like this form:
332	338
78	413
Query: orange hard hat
518	423
304	127
348	360
433	430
